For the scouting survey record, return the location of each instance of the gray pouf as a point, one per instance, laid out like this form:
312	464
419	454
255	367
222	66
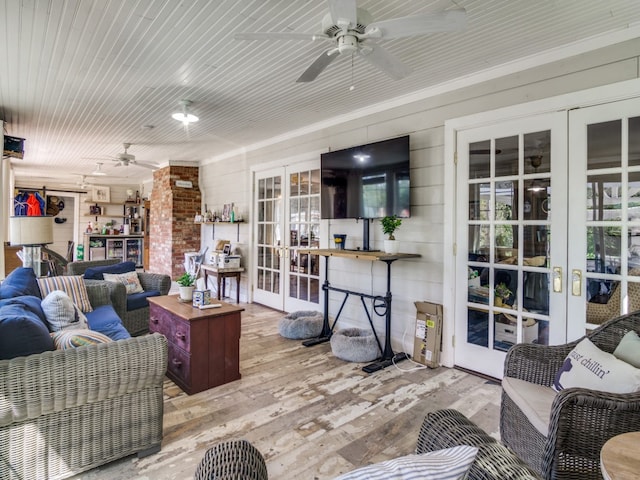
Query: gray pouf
355	345
301	324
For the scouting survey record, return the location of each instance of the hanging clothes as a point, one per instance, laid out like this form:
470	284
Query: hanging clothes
34	206
20	204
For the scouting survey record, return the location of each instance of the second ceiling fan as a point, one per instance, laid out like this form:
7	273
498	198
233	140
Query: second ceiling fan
352	30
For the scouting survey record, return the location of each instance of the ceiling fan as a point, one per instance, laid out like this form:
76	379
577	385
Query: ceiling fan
125	159
352	30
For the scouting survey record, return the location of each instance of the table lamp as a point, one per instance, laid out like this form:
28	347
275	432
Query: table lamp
31	233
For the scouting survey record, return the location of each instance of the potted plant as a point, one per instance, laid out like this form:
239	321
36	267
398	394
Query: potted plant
390	224
186	284
502	293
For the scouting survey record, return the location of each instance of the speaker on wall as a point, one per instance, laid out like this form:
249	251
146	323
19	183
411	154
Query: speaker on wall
14	146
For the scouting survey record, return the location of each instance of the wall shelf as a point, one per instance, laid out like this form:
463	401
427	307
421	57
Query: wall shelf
213	227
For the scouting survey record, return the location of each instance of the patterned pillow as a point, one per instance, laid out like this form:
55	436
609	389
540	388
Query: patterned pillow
72	285
71	338
448	464
62	313
129	280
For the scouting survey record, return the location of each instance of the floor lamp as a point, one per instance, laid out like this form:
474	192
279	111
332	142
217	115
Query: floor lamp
31	233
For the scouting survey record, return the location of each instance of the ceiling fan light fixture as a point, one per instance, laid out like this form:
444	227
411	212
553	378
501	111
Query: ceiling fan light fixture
98	171
184	116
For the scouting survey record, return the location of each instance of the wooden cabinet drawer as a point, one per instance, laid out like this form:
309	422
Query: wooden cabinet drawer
175	329
179	365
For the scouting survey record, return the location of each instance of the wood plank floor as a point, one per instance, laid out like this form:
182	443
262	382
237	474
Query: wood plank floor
312	415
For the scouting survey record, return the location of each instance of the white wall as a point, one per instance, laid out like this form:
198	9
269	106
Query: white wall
229	180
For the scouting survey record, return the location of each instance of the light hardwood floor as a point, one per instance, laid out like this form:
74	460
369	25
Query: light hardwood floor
312	415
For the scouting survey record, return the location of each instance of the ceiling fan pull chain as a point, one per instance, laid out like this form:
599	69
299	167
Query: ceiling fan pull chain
352	87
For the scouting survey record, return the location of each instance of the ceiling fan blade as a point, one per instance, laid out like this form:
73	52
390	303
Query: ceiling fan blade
380	58
278	36
151	166
343	12
322	62
448	21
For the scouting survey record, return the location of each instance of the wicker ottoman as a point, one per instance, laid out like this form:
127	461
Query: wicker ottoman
355	345
301	324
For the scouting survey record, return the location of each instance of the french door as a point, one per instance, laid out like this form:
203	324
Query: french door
513	289
542	267
287	206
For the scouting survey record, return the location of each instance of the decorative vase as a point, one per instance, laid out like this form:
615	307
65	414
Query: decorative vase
391	246
186	293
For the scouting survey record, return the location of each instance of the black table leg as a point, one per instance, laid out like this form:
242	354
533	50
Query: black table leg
325	334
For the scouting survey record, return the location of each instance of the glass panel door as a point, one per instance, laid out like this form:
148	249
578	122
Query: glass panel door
604	212
504	243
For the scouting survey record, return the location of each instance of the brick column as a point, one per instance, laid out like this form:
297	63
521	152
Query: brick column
172	230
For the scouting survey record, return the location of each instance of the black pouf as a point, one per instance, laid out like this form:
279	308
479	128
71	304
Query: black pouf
301	324
355	345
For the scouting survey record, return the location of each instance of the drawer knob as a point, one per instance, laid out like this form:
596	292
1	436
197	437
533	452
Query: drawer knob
154	320
177	363
181	336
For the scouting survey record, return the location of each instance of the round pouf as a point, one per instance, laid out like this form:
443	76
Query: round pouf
301	324
354	345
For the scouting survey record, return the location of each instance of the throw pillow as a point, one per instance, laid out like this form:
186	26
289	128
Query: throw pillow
587	366
628	350
62	313
448	464
22	281
130	281
96	273
71	338
72	285
22	332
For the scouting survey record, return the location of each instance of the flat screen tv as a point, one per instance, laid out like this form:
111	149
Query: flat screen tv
367	181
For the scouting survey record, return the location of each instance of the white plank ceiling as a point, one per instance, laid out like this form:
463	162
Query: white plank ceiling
80	77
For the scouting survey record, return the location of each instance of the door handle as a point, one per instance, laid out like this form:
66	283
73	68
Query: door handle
576	282
557	279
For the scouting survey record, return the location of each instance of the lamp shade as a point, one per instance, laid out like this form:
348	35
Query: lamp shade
28	230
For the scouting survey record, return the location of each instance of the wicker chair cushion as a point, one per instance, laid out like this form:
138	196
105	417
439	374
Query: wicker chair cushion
74	338
628	350
62	313
533	400
22	331
104	319
129	280
587	366
72	285
96	273
447	464
22	281
136	301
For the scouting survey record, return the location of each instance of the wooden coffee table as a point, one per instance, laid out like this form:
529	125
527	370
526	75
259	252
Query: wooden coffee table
619	457
204	345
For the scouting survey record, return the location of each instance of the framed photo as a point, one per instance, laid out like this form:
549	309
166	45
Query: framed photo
100	194
226	212
95	210
227	249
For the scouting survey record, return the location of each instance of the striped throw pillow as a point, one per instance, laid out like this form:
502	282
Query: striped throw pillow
448	464
72	285
71	338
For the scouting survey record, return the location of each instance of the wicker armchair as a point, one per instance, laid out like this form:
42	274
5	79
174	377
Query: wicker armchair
232	460
598	313
135	321
66	411
448	428
581	420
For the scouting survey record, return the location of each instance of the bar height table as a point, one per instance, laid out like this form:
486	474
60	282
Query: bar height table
381	308
221	274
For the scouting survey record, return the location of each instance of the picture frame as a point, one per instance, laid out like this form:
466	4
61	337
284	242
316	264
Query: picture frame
226	212
100	193
227	249
95	210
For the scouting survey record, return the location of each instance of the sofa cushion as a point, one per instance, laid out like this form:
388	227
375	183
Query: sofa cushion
62	313
534	401
22	281
139	300
587	366
130	281
447	464
104	319
72	285
30	302
22	332
628	350
74	338
96	273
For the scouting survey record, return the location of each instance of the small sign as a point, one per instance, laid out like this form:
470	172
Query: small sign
184	183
